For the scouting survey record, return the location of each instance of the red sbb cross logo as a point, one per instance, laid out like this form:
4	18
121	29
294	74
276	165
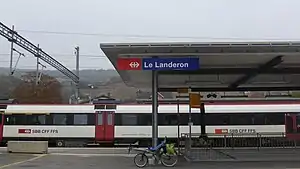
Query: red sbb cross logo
221	131
134	65
24	131
129	64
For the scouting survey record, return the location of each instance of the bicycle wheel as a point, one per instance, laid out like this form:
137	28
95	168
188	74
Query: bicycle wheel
140	160
169	160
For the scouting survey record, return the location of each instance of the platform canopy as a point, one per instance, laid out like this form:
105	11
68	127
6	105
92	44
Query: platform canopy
237	66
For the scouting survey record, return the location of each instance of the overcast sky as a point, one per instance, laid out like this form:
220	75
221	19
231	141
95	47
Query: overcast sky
140	21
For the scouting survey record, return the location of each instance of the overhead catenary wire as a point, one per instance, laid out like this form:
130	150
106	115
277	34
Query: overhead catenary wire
57	55
72	68
65	57
151	36
31	48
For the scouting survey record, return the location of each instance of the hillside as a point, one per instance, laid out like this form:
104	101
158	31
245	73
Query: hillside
88	75
94	83
103	82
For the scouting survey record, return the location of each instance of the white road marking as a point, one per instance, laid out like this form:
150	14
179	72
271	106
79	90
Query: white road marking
77	148
23	161
93	155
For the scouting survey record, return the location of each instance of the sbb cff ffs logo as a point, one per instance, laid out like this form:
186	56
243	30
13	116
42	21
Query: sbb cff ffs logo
37	131
234	131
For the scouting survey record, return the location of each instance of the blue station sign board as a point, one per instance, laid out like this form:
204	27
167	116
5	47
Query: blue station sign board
170	63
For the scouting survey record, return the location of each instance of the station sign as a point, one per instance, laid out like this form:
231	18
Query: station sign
158	64
170	63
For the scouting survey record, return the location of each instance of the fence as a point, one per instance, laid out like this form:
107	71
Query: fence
222	146
257	140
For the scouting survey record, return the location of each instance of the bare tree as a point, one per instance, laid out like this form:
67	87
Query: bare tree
47	91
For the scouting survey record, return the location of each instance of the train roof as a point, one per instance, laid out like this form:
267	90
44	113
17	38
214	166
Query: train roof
50	108
280	108
225	101
183	108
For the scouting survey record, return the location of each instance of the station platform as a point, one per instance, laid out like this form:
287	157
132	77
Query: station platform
111	159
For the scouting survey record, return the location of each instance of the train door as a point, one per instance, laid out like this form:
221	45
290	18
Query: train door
292	125
297	122
105	129
1	125
289	124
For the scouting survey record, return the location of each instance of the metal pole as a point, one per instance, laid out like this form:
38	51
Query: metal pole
190	125
154	108
37	66
77	74
202	120
11	52
178	127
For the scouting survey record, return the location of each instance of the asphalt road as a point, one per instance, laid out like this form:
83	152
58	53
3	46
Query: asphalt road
108	158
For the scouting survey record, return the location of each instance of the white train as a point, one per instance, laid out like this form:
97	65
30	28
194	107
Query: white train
116	124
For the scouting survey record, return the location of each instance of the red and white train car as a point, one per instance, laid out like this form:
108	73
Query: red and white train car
116	124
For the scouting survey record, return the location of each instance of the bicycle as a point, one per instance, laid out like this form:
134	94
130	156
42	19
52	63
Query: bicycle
161	153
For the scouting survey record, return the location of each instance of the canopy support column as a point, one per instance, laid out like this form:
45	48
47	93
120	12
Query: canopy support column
154	108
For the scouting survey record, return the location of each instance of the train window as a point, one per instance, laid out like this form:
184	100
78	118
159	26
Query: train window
36	119
100	118
111	106
132	119
217	119
109	119
9	120
145	119
80	119
59	119
20	119
257	119
118	119
274	119
196	118
183	119
210	119
49	120
16	119
161	119
129	119
167	119
240	119
99	106
91	119
1	114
